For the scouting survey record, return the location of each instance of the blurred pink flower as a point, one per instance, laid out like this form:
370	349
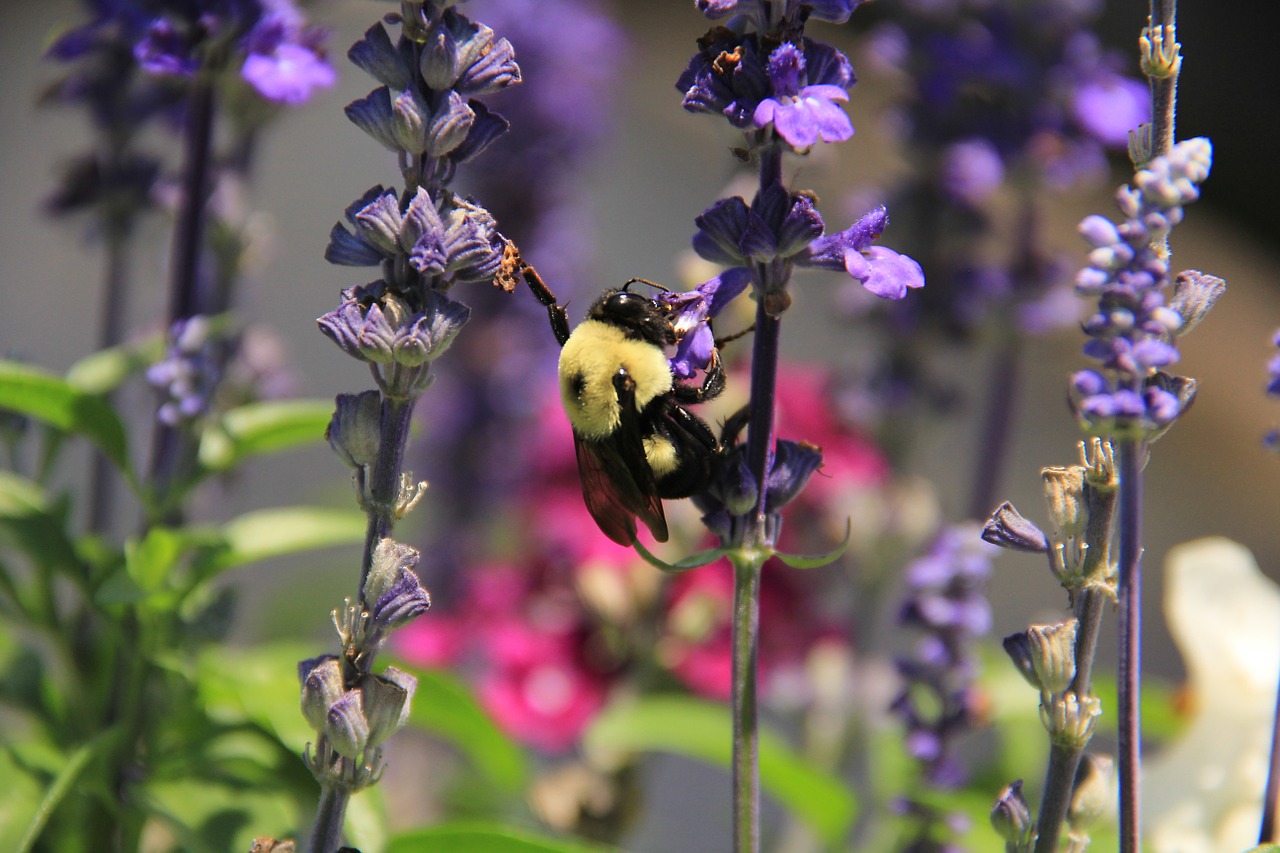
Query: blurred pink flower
538	690
697	630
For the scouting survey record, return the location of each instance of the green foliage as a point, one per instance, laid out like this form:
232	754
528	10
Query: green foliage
62	406
482	838
448	708
256	429
703	730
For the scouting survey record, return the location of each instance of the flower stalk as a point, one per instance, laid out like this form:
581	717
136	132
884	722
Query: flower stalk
781	90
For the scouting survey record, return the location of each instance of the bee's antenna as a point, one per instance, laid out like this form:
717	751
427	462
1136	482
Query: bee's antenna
654	284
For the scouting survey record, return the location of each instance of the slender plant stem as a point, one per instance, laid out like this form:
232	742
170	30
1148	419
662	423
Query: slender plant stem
173	448
326	836
1060	775
997	421
110	332
746	769
758	542
1271	799
1130	629
384	488
1058	779
1164	90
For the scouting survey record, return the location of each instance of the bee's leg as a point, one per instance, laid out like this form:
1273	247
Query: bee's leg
555	312
712	384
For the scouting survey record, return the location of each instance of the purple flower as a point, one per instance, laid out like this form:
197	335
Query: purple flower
690	313
803	114
767	15
1132	333
971	171
879	270
1108	106
188	374
778	224
946	602
379	327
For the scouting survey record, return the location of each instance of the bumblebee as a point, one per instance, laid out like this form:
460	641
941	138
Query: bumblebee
635	441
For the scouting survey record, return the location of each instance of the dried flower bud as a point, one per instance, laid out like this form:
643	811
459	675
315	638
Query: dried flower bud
1093	791
1194	295
1064	491
392	591
1054	654
1070	719
449	125
1011	816
1045	655
386	702
1009	529
355	431
345	727
322	686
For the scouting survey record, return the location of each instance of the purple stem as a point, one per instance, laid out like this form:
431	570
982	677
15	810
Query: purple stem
172	448
1130	629
384	488
1271	799
1164	90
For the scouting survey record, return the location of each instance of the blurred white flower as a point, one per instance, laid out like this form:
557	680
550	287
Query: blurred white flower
1203	792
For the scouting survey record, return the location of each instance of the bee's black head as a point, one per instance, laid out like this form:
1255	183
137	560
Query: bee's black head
638	316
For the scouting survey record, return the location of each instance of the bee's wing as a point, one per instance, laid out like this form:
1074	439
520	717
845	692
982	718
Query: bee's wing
617	483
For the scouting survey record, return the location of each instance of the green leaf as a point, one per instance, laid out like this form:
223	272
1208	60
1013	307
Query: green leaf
21	806
483	838
28	517
704	730
104	371
150	561
1265	848
799	561
445	706
274	532
259	686
693	561
56	402
266	427
62	783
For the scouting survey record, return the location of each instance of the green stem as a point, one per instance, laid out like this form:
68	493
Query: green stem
746	769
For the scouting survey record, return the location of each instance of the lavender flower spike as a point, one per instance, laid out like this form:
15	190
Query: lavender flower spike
1132	333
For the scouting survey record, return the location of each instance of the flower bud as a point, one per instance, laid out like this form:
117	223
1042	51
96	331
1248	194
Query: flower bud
1045	655
1093	791
386	700
439	63
345	727
1054	654
355	430
410	115
321	687
392	592
1194	295
1063	489
1008	529
449	125
390	560
1011	816
1070	719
